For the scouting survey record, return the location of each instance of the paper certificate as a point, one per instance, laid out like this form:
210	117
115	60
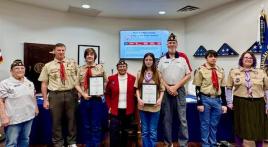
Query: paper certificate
96	86
149	93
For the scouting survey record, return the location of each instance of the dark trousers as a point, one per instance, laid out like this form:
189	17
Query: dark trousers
91	116
174	106
62	107
119	127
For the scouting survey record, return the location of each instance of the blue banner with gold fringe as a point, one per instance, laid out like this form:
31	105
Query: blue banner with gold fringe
263	39
1	58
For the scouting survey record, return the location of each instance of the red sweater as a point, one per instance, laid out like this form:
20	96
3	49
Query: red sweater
112	94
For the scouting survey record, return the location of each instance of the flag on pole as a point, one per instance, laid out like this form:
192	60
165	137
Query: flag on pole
263	39
1	58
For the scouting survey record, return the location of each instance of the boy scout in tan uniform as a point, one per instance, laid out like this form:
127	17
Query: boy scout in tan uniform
60	77
202	78
211	101
97	70
92	108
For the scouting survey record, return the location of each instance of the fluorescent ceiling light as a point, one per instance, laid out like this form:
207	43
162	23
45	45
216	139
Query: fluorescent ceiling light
162	12
86	6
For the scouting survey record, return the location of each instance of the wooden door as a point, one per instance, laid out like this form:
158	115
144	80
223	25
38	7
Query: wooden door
35	57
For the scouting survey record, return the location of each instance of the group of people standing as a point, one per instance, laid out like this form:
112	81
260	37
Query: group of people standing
124	90
64	82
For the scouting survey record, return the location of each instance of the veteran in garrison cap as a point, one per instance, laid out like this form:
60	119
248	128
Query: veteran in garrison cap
121	100
176	70
17	105
172	37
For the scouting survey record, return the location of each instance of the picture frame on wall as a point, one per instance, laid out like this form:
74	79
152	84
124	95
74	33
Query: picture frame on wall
81	50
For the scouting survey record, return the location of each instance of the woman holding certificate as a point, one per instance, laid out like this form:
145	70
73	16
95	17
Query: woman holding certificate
150	91
92	79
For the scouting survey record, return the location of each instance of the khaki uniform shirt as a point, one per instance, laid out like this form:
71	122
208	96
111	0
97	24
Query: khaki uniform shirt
51	74
202	78
258	77
146	107
97	70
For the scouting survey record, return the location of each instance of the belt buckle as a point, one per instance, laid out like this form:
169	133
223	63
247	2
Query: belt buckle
251	98
214	96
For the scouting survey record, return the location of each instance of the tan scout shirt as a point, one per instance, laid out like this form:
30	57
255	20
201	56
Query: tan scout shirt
258	77
51	74
202	78
150	108
97	70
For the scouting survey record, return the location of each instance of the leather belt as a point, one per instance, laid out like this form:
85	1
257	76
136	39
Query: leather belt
249	98
209	95
57	91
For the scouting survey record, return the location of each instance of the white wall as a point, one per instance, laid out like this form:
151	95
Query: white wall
234	23
22	23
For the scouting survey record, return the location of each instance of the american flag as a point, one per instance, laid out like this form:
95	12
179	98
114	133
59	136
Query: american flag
1	57
263	39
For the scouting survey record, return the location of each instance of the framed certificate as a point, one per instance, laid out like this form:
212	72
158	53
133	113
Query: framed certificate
149	93
96	86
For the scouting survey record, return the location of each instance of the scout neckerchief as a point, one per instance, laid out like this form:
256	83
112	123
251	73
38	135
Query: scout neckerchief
148	77
248	82
62	72
87	76
214	77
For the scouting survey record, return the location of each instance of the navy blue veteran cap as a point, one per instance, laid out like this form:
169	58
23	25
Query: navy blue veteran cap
172	37
121	62
16	62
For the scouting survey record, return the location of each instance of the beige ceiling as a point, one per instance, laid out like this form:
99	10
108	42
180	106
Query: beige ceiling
128	8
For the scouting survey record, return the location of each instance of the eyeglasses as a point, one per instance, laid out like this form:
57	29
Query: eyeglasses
248	58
